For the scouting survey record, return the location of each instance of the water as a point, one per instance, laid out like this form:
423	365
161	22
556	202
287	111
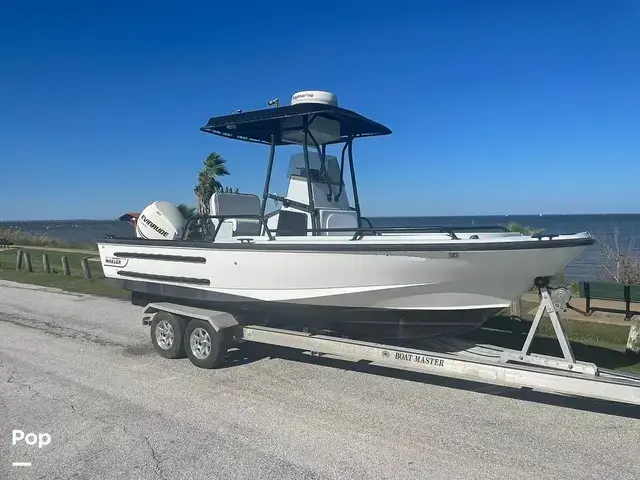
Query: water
587	266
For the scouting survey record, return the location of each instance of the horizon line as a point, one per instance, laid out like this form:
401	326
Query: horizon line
115	219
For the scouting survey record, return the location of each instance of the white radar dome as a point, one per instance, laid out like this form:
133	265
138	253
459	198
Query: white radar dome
314	96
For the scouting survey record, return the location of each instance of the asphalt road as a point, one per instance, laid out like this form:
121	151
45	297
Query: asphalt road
82	370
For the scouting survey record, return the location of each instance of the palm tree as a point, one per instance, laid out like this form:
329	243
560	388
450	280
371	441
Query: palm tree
228	190
208	183
187	211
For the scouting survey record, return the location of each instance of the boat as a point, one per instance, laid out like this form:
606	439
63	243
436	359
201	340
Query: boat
313	261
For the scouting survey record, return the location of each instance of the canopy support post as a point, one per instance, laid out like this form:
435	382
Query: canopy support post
305	148
267	181
356	201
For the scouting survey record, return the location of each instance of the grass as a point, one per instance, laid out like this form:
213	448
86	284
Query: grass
18	237
600	343
74	282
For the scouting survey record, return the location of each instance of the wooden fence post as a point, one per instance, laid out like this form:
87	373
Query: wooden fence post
27	262
65	266
19	259
515	308
45	263
85	268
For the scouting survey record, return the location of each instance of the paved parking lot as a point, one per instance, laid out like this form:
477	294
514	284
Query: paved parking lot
82	370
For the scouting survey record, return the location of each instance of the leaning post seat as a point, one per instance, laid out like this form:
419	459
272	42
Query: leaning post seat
230	204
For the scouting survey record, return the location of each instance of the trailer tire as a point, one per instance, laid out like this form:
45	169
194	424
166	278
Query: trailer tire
205	347
167	335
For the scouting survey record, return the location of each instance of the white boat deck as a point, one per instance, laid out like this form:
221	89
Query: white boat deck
404	238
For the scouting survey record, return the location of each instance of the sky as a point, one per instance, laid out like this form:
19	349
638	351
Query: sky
496	107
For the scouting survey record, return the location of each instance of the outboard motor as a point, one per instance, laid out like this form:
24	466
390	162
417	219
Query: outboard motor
160	221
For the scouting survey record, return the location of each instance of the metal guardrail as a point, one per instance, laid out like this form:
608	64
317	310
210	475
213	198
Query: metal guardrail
612	293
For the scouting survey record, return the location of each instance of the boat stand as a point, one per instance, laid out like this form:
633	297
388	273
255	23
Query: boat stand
449	357
569	361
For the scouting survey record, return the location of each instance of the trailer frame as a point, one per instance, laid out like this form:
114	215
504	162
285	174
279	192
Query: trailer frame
448	356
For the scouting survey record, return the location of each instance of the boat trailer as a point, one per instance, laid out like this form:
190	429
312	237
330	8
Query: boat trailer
204	336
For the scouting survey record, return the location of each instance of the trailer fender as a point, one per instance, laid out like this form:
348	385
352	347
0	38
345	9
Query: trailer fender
218	320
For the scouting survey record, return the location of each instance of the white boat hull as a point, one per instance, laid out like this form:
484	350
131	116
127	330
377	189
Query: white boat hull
366	276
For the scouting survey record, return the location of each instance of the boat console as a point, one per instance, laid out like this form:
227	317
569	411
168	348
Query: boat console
316	202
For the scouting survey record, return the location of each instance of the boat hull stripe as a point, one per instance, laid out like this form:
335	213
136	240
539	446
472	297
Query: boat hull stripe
166	258
165	278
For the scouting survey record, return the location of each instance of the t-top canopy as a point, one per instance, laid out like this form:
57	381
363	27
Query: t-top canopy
258	125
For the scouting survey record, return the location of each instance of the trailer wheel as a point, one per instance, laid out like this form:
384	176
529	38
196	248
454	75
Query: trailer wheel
205	347
167	334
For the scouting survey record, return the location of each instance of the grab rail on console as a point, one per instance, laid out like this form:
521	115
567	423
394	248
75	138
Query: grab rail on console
359	233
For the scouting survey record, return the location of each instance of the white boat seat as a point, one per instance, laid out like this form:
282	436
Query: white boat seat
234	204
339	219
231	204
245	227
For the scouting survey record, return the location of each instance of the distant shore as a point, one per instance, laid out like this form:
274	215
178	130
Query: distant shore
19	237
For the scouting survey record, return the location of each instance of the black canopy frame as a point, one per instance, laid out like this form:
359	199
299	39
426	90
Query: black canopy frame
267	126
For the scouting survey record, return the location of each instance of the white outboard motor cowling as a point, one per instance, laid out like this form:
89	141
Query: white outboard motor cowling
160	221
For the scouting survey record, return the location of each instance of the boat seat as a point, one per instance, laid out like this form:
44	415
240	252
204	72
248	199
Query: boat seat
339	219
230	204
291	224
